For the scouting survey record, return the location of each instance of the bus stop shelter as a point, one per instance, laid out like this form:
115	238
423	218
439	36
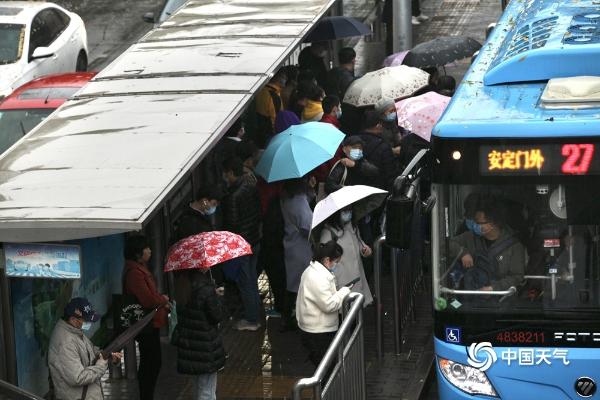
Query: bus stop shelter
115	157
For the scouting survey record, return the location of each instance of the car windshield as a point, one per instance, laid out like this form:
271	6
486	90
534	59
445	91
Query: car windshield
11	42
170	7
16	123
543	240
48	93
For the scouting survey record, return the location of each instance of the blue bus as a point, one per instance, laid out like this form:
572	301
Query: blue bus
516	226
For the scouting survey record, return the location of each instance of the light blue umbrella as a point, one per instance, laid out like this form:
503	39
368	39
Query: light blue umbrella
298	150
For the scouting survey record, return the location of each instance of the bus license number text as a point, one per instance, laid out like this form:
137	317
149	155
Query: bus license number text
520	337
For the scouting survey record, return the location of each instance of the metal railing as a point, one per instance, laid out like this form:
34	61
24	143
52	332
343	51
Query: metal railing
341	374
407	276
377	254
11	392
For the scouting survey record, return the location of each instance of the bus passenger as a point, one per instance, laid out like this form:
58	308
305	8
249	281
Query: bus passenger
490	252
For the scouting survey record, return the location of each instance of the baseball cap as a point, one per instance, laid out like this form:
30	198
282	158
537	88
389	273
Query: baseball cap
84	306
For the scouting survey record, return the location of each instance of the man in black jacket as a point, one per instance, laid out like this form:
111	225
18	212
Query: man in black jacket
202	214
242	215
339	78
377	151
356	169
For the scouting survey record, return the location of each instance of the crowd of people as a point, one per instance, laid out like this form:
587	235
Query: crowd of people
309	271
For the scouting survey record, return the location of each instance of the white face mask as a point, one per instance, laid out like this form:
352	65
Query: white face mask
346	216
86	326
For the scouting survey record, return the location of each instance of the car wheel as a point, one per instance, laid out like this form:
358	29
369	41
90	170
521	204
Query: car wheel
82	62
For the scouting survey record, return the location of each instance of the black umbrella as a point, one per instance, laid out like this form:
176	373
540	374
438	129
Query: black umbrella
331	28
441	51
127	335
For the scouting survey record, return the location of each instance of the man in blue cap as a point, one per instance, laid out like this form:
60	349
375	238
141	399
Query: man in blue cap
76	366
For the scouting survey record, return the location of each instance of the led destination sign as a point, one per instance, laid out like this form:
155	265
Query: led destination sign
543	159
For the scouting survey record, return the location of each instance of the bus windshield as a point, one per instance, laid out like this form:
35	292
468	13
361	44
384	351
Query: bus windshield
517	248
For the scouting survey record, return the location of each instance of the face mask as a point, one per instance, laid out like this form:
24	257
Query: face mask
356	154
86	326
390	117
333	267
338	114
346	216
210	210
470	224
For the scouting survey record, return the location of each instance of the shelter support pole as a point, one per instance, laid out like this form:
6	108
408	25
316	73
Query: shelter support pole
8	358
156	233
402	26
130	360
337	9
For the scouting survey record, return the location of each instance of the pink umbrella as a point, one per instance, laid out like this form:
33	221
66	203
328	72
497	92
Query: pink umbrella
395	59
419	114
205	250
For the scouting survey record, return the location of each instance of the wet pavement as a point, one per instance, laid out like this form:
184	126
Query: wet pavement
112	26
266	363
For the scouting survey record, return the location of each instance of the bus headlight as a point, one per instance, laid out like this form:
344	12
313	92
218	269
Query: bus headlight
466	378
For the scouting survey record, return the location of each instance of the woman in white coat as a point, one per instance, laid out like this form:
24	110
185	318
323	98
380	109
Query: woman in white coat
319	301
339	227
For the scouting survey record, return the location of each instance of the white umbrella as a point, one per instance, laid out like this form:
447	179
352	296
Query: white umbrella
344	197
390	82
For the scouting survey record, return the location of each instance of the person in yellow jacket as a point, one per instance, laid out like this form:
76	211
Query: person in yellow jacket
268	104
313	110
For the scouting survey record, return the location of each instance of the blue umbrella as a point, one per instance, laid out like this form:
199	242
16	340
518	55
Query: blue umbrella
298	150
331	28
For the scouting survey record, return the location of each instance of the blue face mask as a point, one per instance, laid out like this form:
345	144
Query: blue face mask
210	210
86	326
473	227
346	216
356	154
338	114
470	224
390	117
333	268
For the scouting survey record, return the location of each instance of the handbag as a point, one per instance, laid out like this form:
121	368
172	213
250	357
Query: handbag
130	311
321	194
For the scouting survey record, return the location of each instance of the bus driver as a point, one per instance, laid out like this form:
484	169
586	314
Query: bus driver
490	252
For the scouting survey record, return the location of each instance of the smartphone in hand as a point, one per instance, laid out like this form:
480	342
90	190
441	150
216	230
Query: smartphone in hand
352	282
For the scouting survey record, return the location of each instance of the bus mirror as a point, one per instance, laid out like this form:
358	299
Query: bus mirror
399	213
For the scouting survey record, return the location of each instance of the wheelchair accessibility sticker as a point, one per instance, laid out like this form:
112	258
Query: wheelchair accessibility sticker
453	335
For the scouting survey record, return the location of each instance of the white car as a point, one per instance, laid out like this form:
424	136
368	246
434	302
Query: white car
38	39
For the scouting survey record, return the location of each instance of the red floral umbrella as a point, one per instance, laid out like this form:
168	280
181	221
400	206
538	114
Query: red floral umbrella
206	249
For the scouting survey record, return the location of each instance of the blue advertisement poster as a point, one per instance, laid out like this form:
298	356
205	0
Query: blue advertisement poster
34	260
